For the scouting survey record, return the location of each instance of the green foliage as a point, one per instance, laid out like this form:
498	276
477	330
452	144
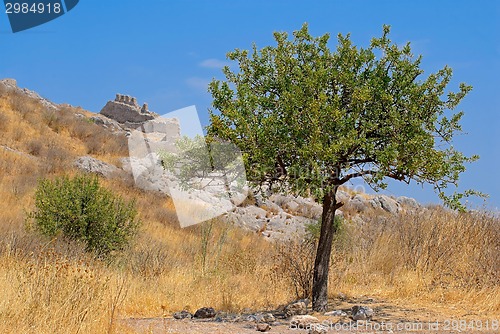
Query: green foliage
310	119
79	208
313	229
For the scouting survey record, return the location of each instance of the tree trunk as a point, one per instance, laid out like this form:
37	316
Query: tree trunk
322	262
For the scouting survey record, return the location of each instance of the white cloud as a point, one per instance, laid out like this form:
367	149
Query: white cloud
213	63
198	83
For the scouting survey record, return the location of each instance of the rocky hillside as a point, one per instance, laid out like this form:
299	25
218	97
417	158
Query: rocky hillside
279	216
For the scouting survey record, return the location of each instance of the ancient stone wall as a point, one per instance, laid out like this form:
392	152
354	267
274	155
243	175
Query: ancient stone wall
125	109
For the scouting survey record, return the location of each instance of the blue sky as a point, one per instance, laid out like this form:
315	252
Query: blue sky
166	52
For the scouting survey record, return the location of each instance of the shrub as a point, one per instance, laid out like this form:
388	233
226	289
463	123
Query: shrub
294	263
35	147
294	259
4	121
80	209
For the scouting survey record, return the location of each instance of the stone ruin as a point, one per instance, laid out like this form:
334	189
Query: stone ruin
125	109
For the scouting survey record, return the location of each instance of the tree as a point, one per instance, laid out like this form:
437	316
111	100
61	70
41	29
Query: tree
79	208
309	120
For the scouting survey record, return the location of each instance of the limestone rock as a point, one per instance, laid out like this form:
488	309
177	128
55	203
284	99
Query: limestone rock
107	123
93	165
343	196
408	202
358	203
386	203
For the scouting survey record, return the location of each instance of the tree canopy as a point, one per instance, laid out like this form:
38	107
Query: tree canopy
313	119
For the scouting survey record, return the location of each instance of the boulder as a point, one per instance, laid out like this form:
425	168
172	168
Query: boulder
386	203
107	123
408	202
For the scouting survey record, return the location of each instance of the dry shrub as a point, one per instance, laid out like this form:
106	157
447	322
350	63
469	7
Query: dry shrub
57	159
294	266
4	121
35	147
97	140
22	104
102	142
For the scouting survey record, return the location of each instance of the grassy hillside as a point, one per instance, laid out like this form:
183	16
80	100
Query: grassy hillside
53	286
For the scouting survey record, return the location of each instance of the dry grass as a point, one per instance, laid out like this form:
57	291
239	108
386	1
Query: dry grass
434	256
52	286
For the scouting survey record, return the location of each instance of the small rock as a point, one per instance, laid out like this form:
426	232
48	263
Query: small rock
336	313
205	313
265	317
263	327
361	313
182	315
303	320
318	330
296	308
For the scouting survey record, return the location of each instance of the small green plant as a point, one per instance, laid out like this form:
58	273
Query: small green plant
79	208
313	229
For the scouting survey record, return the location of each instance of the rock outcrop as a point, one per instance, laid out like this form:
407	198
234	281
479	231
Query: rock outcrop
92	165
125	110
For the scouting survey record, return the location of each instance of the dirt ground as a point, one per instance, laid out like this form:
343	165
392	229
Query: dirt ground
388	318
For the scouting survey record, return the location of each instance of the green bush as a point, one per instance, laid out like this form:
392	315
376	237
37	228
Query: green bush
80	209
